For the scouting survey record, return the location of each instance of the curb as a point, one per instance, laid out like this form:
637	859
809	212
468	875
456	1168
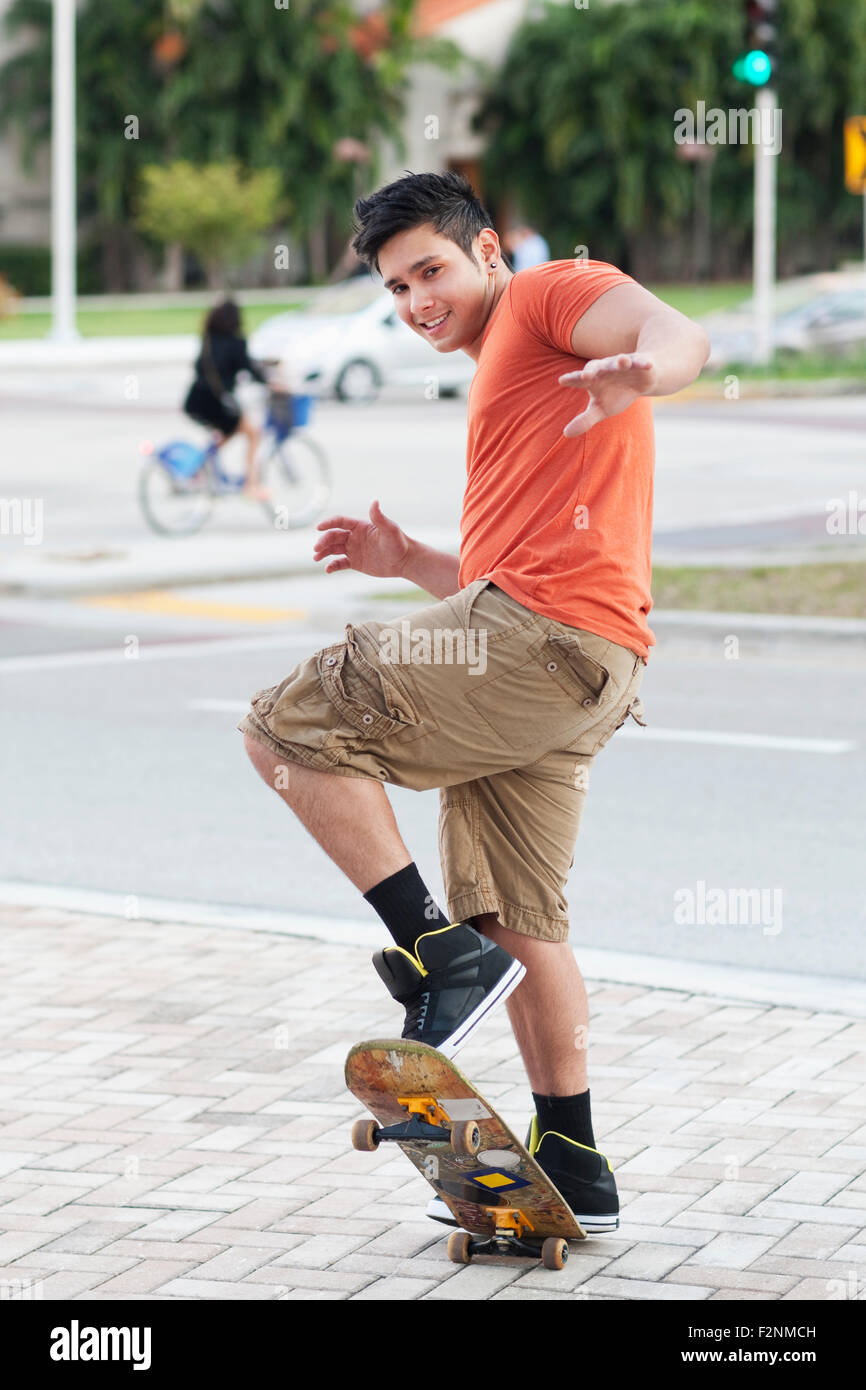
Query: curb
168	349
779	629
74	586
772	629
821	994
773	389
166	564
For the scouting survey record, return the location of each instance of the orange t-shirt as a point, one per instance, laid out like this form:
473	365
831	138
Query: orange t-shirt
562	525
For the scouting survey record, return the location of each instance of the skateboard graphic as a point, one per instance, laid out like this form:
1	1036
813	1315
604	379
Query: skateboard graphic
500	1196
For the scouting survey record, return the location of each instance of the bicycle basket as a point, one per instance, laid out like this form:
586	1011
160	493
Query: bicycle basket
182	458
301	409
287	413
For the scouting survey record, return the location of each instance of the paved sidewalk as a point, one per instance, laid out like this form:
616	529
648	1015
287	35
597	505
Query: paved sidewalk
174	1124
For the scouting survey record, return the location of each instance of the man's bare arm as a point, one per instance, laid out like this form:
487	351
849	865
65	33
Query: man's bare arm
629	319
433	570
380	547
634	345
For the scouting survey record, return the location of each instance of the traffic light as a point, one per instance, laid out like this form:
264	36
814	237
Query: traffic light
757	63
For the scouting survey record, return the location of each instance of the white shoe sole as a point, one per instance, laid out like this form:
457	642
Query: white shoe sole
500	992
597	1225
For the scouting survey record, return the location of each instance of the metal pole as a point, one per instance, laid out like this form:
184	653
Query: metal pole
764	243
63	229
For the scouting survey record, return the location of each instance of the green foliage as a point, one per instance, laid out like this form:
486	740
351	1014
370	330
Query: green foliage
267	87
211	210
581	122
28	268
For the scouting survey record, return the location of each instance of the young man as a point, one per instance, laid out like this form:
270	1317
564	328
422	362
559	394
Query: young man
547	606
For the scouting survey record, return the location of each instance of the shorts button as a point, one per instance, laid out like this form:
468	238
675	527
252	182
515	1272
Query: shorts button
551	665
332	661
587	703
368	718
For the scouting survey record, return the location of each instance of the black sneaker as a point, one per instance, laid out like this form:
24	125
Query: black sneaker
448	987
583	1176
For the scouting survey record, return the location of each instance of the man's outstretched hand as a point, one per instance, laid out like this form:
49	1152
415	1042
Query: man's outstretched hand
613	383
377	546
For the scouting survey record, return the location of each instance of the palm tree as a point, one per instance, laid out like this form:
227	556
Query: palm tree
126	109
288	86
580	124
216	80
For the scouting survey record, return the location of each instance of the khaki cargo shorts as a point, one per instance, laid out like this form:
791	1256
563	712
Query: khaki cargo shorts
502	709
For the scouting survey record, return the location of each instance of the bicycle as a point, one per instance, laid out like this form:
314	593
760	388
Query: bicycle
180	482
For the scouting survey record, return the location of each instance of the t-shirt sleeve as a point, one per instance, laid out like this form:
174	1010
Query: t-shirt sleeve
547	300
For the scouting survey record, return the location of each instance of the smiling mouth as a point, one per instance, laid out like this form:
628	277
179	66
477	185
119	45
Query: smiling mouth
436	323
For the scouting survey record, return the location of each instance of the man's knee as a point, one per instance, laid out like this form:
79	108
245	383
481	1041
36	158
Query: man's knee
263	759
283	775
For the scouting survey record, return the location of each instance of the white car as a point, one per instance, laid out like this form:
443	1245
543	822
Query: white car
350	342
832	323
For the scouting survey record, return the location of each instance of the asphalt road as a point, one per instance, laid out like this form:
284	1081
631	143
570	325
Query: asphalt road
127	774
729	473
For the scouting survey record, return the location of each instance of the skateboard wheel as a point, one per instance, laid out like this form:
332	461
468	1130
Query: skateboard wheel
554	1252
459	1247
465	1137
365	1135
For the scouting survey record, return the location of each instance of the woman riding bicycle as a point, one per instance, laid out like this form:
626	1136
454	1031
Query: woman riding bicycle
210	400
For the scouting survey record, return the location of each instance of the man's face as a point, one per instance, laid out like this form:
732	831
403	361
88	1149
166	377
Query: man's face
429	277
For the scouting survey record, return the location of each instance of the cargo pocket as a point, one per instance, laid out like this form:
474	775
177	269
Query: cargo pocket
370	702
546	699
570	665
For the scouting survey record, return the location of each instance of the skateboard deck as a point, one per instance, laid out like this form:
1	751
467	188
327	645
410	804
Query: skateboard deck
496	1191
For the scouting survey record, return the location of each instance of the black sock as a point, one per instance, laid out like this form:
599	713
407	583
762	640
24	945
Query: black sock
406	906
568	1115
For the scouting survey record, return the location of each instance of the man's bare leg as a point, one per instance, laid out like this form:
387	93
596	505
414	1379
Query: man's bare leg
549	1012
350	817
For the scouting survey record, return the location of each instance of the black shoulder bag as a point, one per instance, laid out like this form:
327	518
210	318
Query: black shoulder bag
226	399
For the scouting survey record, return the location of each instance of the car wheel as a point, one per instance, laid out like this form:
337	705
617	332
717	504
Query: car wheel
358	381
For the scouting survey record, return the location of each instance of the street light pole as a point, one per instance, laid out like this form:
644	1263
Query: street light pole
764	243
63	220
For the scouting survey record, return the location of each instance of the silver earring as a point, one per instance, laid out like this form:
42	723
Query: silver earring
492	265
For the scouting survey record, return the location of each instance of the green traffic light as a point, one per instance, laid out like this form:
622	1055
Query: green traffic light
754	67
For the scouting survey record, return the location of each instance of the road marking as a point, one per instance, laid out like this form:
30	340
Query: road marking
796	745
164	601
173	651
167	651
726	740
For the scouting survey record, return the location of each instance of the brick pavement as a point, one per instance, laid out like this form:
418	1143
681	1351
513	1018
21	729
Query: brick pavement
174	1125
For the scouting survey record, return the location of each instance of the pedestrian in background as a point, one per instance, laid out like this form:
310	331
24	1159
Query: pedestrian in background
210	400
526	247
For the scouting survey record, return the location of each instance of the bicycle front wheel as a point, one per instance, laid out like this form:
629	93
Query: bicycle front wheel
297	473
173	505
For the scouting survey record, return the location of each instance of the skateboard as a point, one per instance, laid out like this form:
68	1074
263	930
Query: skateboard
506	1204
